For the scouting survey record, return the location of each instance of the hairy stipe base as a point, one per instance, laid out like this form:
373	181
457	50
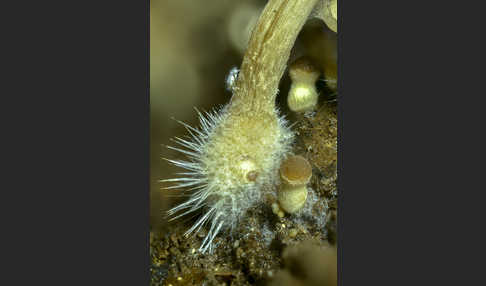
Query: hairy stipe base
233	159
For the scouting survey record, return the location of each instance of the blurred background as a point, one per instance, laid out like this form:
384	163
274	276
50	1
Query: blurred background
193	46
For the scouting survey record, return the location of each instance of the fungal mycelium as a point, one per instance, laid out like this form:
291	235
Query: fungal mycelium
234	157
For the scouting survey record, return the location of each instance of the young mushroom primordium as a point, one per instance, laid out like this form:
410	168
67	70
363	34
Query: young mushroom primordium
303	95
295	173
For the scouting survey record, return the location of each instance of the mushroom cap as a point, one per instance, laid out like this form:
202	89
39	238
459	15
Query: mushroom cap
295	170
303	70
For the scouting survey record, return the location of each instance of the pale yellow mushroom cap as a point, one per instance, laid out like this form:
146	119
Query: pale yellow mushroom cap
302	70
296	170
303	94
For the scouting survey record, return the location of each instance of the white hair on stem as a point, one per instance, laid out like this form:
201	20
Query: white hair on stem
221	190
234	157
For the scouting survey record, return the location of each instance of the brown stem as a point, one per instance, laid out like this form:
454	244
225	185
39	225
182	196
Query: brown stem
267	54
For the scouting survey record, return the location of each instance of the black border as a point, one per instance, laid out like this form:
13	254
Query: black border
340	168
75	110
76	123
403	195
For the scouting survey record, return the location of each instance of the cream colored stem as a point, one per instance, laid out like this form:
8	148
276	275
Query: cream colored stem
267	54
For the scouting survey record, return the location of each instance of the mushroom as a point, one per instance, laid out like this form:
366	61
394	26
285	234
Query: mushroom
303	94
295	173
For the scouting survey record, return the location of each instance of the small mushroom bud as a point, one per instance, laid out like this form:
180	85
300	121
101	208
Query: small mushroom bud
248	169
303	94
295	173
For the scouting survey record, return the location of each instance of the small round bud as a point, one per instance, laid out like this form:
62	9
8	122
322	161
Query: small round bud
295	173
303	94
252	175
276	210
248	169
